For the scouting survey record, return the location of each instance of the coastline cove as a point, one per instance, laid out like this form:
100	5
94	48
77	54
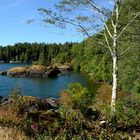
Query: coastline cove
39	86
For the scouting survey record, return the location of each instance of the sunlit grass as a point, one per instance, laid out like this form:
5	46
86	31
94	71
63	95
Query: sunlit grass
8	117
18	69
11	134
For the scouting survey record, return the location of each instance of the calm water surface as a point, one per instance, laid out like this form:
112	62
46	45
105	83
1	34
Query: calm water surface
40	87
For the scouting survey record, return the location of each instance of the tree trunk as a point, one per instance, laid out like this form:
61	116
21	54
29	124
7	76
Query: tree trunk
115	59
115	78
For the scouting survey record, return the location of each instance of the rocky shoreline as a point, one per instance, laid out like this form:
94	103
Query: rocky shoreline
33	104
36	71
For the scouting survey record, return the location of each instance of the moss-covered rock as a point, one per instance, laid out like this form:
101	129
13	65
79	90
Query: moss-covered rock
17	71
37	70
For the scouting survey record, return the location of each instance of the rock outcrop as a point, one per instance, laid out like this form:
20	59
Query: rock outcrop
17	71
36	71
3	72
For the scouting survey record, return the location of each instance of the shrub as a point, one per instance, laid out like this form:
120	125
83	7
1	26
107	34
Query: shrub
79	97
127	111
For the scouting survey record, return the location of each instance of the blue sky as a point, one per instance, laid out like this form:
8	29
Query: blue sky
13	26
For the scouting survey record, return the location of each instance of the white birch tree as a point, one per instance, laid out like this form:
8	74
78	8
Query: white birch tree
93	17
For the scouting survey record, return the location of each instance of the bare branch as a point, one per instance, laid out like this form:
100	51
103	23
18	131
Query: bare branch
108	31
106	27
69	22
122	6
84	30
129	24
112	23
111	3
104	45
99	10
125	51
96	7
99	33
109	47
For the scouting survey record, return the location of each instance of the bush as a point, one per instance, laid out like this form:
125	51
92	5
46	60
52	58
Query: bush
78	116
127	111
79	97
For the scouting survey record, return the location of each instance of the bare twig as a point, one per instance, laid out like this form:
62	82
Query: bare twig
121	7
99	10
84	30
108	31
125	51
129	24
112	23
95	7
69	22
109	47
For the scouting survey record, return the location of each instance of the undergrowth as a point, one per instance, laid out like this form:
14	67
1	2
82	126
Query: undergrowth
80	116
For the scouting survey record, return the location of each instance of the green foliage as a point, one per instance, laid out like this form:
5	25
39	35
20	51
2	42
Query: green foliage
89	56
71	120
62	58
77	120
26	123
128	111
41	53
42	60
17	103
80	96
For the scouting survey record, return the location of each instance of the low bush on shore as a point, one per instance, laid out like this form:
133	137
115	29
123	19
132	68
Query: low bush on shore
75	115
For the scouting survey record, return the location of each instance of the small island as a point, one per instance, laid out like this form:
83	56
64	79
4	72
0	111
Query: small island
36	71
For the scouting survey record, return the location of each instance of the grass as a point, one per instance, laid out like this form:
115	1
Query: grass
18	69
26	99
8	117
12	134
33	68
78	117
39	68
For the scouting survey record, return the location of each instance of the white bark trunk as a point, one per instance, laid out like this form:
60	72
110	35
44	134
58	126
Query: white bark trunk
115	61
115	77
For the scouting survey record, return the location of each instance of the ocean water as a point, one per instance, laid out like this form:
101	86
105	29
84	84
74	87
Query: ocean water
39	87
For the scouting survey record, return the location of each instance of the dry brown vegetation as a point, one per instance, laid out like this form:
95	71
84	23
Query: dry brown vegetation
33	68
11	134
9	116
104	94
18	69
65	98
38	68
77	117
